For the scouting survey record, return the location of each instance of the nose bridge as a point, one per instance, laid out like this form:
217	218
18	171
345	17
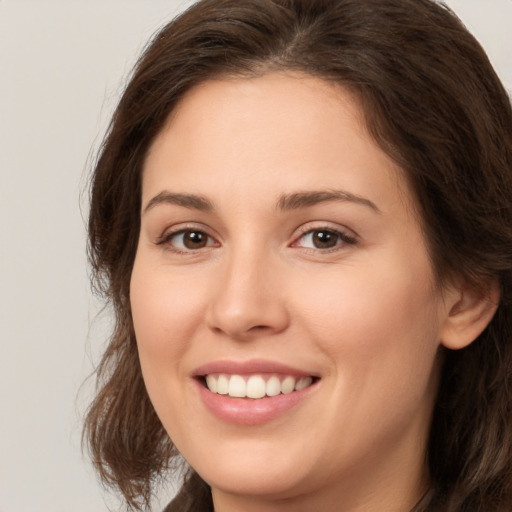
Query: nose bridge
248	298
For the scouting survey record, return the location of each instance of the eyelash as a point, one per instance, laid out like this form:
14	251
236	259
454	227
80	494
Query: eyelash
343	239
166	240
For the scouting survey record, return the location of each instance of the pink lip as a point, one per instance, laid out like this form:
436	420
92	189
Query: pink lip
247	411
249	367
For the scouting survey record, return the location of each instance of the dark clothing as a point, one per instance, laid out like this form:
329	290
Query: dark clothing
194	496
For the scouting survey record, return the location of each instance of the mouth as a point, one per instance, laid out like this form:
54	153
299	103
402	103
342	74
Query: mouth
255	386
253	392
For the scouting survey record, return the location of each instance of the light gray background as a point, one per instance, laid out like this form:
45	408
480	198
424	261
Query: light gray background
62	66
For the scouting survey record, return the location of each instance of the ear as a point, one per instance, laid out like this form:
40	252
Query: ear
469	311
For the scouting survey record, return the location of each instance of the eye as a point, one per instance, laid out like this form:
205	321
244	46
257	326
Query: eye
186	240
324	239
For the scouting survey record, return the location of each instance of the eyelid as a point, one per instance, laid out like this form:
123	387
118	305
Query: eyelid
165	238
347	236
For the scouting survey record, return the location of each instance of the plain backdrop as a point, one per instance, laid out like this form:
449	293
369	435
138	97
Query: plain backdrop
62	67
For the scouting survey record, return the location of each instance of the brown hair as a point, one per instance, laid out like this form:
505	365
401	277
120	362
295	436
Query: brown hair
433	102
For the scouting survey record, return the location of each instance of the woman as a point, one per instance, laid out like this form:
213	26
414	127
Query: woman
302	216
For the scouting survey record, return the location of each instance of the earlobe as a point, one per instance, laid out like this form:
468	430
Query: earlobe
469	311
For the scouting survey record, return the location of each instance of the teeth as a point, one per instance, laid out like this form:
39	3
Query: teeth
303	383
288	385
256	386
273	386
222	385
211	382
237	386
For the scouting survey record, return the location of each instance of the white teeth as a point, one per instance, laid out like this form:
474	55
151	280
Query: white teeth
303	383
211	382
222	385
288	385
255	387
273	386
237	387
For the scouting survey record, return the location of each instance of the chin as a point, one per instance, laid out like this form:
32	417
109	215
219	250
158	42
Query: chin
252	481
262	471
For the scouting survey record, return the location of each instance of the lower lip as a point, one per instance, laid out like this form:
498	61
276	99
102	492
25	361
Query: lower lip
248	411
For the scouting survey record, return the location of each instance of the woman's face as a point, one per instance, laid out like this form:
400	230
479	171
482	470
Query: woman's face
279	250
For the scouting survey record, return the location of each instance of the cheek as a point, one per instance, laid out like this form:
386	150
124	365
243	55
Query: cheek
379	331
166	314
376	320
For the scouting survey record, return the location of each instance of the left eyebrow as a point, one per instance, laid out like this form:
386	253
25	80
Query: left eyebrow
298	200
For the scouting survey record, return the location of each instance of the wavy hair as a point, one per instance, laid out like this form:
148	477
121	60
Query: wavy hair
433	102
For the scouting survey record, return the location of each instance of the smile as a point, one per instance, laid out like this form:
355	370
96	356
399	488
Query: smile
255	386
253	392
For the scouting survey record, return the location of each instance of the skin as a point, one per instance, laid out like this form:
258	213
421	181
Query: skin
364	315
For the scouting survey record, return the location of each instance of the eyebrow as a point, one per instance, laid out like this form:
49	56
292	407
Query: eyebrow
293	201
192	201
298	200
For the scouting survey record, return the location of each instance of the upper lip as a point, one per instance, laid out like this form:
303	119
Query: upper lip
253	366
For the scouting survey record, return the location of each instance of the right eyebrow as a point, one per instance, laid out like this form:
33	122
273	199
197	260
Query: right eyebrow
192	201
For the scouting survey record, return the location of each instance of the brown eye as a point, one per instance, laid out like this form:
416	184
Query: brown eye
195	239
324	239
188	240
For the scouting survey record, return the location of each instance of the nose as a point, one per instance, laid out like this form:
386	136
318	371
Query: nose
250	300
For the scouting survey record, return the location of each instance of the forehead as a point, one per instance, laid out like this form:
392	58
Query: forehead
277	89
277	129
